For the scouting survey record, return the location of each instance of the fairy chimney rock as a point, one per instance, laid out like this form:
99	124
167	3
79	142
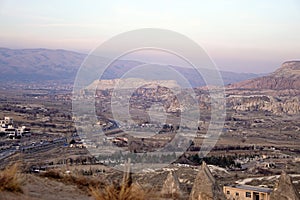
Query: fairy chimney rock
205	186
171	186
284	189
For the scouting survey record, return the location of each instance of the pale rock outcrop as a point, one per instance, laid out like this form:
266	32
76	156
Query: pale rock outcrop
205	186
171	187
284	189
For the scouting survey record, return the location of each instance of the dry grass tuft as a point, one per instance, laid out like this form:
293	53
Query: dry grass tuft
123	192
10	179
82	182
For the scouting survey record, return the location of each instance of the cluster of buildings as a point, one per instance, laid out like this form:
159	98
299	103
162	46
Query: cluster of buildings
7	129
206	187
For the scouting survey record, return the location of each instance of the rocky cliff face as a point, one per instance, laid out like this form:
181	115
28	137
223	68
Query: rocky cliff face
131	83
275	105
277	93
286	77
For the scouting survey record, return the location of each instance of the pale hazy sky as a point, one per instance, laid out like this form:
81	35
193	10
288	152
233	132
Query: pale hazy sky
239	35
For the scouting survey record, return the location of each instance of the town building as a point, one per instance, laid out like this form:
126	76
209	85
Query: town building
6	121
7	129
246	192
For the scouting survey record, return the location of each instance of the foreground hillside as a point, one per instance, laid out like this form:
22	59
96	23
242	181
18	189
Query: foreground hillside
47	189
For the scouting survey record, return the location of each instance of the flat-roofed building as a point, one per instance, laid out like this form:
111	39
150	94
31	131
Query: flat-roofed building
8	120
246	192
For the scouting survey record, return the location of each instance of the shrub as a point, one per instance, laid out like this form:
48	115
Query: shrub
123	192
53	174
10	179
82	182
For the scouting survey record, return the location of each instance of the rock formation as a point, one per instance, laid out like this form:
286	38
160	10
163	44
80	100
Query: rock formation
277	92
286	77
284	189
205	186
276	105
171	188
131	83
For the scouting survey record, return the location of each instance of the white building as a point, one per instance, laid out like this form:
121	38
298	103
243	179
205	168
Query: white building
7	129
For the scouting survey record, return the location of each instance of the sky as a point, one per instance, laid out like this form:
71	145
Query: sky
239	35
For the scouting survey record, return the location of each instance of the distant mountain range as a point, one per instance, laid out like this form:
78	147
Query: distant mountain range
38	64
44	64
